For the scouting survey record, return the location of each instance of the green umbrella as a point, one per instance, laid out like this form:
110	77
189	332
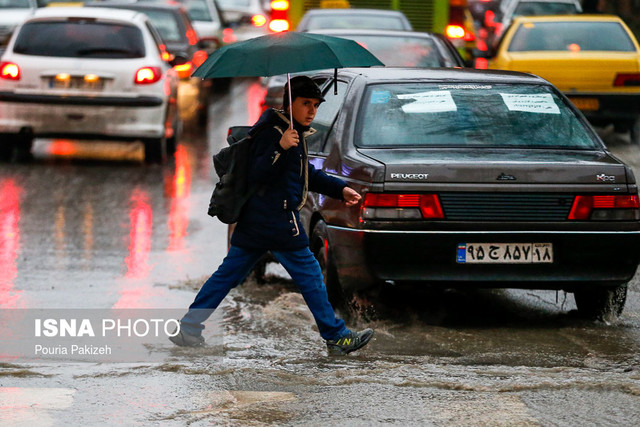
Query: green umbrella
285	53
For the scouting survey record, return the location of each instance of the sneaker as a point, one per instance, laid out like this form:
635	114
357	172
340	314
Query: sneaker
351	342
186	340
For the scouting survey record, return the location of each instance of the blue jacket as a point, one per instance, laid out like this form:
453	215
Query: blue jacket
270	219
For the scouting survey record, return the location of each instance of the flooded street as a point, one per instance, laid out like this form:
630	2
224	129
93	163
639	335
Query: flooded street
90	226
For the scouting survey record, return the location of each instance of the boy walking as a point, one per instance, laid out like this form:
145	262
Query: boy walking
270	221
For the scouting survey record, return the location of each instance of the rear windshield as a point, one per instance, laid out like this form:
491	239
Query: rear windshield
355	22
544	8
166	24
403	51
469	115
80	39
573	36
198	10
14	4
230	4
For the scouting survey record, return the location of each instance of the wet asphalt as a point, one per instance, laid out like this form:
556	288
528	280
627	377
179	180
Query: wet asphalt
88	225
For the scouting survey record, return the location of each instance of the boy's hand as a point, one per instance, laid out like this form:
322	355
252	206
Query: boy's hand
289	139
350	196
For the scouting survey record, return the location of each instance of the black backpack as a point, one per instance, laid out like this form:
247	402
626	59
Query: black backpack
232	166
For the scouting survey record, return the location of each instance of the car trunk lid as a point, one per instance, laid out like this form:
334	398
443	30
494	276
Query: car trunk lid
497	168
578	72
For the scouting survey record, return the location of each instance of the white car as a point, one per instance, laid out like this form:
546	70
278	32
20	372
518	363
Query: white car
248	18
12	13
88	73
207	18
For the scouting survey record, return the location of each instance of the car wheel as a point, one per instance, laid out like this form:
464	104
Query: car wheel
154	150
339	298
22	148
635	132
6	147
601	303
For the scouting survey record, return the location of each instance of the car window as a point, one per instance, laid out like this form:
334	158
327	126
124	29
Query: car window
80	38
14	4
166	24
402	51
574	36
157	38
230	4
544	8
354	22
469	115
325	116
198	10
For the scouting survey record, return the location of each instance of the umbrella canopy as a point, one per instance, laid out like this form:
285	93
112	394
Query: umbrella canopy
282	53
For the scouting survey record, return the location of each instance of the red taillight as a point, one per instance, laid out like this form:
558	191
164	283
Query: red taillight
228	36
199	57
630	79
184	70
258	20
469	36
482	63
279	5
583	206
279	25
147	75
455	31
9	71
428	204
192	37
279	16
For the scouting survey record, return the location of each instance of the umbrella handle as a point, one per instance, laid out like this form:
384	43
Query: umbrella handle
290	107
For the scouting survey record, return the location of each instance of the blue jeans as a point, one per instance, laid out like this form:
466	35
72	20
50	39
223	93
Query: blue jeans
301	266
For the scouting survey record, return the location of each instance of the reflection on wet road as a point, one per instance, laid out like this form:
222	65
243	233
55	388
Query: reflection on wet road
90	226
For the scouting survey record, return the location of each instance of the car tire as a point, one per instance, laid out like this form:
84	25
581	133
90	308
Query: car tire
22	148
155	150
6	147
321	249
634	132
601	303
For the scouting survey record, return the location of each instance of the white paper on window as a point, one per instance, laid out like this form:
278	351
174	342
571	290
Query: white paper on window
436	101
541	103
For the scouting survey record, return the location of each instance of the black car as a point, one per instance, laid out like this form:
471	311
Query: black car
393	48
469	178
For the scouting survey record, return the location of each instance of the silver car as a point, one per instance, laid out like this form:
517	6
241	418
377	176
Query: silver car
87	73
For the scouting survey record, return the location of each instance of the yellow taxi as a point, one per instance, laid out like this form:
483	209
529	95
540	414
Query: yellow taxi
593	59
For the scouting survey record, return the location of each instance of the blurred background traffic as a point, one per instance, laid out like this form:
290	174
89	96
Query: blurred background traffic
595	60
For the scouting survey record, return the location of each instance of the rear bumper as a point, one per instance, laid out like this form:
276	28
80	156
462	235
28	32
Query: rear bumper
56	116
609	106
367	257
103	101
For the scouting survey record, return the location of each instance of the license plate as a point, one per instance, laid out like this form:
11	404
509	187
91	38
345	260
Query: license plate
504	253
77	83
586	104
